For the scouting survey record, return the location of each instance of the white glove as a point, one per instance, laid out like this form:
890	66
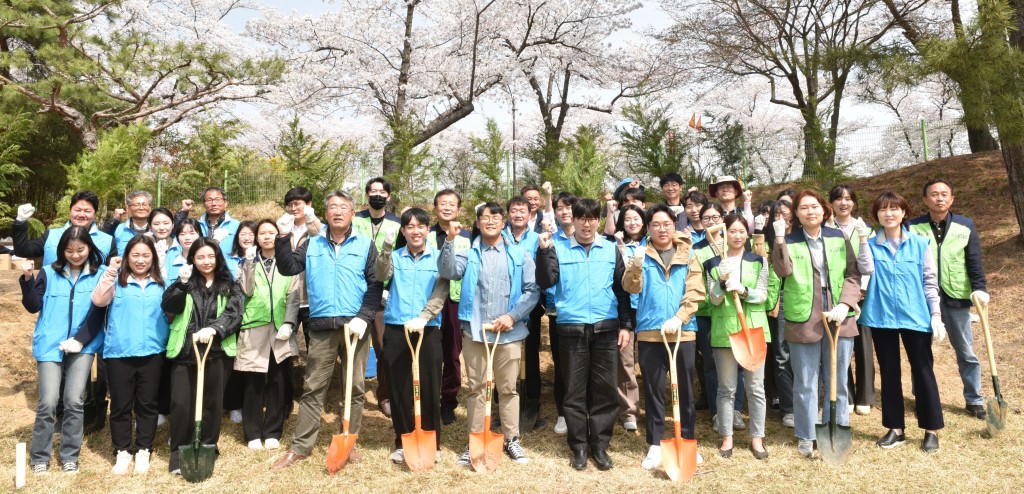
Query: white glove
759	222
620	238
727	267
250	253
938	329
220	234
390	236
70	345
204	335
981	296
415	325
733	284
838	313
285	224
161	247
779	227
384	297
638	256
184	273
862	229
308	214
672	325
25	211
357	327
285	331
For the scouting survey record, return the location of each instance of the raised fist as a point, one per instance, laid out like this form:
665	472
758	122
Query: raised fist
119	213
748	195
220	234
546	187
285	224
545	240
250	253
28	267
186	204
25	211
454	228
113	264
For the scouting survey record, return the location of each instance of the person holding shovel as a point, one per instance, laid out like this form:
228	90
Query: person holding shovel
903	303
499	289
207	306
822	275
662	272
60	294
746	274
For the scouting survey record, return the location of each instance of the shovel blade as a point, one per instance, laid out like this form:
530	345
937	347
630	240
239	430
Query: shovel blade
337	454
420	448
196	461
679	458
750	355
996	420
485	448
527	413
834	442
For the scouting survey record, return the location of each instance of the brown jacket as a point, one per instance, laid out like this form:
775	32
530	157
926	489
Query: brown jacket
633	282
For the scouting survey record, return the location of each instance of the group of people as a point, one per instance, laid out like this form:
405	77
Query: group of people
153	285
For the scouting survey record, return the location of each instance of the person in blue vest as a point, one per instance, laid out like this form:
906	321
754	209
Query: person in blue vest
185	233
498	289
161	229
216	222
344	294
594	324
661	272
139	204
60	293
903	303
779	370
245	237
266	342
561	231
693	202
135	339
82	213
630	236
207	307
956	248
414	305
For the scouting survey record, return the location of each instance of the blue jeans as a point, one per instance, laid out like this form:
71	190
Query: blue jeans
75	368
811	362
958	327
709	369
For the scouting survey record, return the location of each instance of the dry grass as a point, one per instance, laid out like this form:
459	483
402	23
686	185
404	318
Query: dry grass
966	462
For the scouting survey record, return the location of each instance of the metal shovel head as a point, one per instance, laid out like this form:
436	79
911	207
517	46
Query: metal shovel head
834	442
527	409
420	448
749	354
679	458
996	420
485	448
196	461
341	447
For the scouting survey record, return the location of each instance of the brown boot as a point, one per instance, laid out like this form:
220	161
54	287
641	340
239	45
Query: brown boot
289	459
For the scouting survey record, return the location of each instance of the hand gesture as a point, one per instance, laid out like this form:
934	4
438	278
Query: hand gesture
545	240
27	267
503	323
546	226
613	205
454	228
184	273
204	335
186	204
638	256
672	325
415	325
748	195
285	224
308	214
113	265
161	246
546	187
390	236
779	227
119	213
863	231
220	234
25	211
250	253
357	327
620	238
733	284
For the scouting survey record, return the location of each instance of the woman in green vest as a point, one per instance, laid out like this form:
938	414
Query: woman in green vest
266	343
746	274
207	307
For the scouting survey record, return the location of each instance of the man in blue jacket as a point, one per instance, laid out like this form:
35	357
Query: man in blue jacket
84	205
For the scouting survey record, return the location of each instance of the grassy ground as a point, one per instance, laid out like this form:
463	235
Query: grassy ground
966	462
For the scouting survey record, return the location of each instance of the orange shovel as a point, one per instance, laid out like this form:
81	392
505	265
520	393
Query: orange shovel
485	447
342	444
419	446
678	455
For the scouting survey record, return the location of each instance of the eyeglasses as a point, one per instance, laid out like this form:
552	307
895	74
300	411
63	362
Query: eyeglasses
490	218
246	235
711	218
661	226
588	220
214	200
342	208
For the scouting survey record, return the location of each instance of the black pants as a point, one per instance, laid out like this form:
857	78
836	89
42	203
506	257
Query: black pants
559	383
861	382
183	403
271	390
926	391
377	330
532	353
397	357
134	386
778	376
654	366
589	363
233	391
163	402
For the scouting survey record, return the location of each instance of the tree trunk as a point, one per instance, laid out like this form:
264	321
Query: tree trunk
981	140
1013	156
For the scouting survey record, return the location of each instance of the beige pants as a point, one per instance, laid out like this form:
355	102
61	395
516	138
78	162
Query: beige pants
629	391
506	372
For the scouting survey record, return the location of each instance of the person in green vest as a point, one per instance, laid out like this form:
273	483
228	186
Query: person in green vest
743	272
207	306
822	276
267	341
956	248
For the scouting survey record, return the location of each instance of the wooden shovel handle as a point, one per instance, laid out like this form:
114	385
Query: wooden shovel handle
983	315
351	341
415	371
200	376
833	340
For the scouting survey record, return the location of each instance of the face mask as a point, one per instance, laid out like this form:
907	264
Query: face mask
378	202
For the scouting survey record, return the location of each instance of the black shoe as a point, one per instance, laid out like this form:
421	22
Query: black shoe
774	406
540	424
725	453
601	459
385	408
977	411
931	442
891	439
760	455
447	416
701	404
579	458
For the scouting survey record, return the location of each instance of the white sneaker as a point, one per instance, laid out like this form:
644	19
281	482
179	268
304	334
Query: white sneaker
788	420
124	460
398	457
271	443
737	422
141	461
255	444
653	458
560	428
236	416
862	409
161	419
629	425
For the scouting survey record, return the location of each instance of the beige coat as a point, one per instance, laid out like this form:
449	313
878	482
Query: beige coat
255	344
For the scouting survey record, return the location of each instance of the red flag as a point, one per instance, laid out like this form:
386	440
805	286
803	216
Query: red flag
699	127
693	121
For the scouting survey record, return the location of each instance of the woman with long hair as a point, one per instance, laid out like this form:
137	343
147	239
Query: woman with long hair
630	235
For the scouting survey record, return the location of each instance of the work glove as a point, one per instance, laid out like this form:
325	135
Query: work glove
759	222
672	325
70	345
863	231
250	253
384	297
838	314
779	227
415	325
357	327
981	296
639	255
220	234
309	215
284	332
161	246
184	273
25	211
285	224
204	335
727	267
938	329
390	236
733	284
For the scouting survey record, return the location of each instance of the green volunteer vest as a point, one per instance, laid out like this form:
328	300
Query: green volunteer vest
461	244
797	299
702	255
723	317
268	302
950	256
364	226
179	327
